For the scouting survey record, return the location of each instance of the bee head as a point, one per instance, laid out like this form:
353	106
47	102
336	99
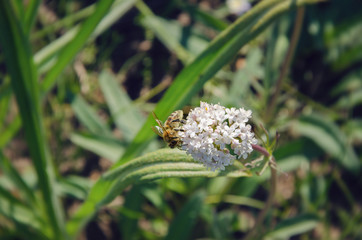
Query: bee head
172	144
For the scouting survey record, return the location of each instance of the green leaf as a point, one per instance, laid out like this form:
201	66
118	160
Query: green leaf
47	54
163	163
30	14
106	147
74	186
353	130
294	226
207	18
220	51
9	171
330	138
70	50
350	83
69	20
7	195
88	116
181	40
222	224
351	100
277	47
5	95
18	9
22	215
130	213
10	131
183	223
125	115
24	80
161	28
300	146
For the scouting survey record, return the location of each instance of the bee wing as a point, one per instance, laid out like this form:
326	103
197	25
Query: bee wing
158	130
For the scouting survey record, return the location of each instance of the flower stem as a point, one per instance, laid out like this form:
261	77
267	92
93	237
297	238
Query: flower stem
261	150
269	202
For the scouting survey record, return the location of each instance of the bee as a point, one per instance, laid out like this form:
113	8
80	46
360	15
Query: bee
169	130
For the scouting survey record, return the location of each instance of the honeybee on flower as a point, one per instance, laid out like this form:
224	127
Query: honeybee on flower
170	129
212	134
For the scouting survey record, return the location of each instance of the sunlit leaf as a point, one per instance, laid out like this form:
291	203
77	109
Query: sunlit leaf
106	147
294	226
330	138
163	163
126	116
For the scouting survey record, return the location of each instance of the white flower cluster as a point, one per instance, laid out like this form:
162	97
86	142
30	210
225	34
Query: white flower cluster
216	135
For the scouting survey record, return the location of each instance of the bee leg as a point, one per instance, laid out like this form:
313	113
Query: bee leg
159	122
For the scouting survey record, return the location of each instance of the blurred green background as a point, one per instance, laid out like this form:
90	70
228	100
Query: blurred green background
78	80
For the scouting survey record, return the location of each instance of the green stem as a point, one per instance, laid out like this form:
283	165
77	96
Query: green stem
255	231
287	62
269	202
153	92
66	21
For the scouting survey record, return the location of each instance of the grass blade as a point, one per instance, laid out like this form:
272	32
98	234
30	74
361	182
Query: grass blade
88	116
20	65
10	131
330	138
171	35
124	114
70	50
8	170
106	147
46	54
158	26
294	226
5	96
30	14
21	215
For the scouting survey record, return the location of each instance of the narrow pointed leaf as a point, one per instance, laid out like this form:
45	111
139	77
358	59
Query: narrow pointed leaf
163	163
330	138
24	80
106	147
294	226
126	116
88	116
8	170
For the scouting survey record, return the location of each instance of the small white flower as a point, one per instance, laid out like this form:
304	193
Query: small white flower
238	7
211	131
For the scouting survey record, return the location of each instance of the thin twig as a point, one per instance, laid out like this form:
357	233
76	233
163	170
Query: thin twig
287	61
